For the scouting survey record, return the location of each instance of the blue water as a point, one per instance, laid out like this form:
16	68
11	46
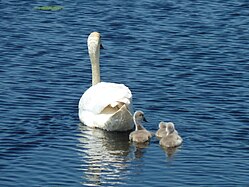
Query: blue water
185	61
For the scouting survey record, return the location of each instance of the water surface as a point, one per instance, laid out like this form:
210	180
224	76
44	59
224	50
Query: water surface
185	62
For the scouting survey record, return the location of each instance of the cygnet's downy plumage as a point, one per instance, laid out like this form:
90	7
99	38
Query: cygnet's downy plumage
140	135
162	129
171	138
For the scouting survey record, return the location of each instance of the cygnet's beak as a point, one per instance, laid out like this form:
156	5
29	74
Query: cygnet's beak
145	119
101	46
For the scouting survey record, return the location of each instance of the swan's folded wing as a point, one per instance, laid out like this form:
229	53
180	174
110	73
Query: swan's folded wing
99	96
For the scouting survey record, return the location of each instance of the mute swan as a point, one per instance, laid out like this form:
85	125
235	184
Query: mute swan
171	138
162	129
104	105
140	135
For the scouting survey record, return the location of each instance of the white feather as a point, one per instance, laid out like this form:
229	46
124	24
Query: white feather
99	96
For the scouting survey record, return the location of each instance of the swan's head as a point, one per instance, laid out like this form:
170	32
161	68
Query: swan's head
162	125
170	128
139	116
94	43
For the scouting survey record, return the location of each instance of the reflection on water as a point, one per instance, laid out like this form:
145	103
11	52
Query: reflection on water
170	152
141	145
185	61
105	155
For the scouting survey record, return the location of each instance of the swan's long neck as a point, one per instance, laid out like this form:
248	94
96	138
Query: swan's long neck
138	124
95	67
93	43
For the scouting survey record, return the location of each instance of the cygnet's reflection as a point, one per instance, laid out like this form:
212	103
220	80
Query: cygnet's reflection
105	155
170	152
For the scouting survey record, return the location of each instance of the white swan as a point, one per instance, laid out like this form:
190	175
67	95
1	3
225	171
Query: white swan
140	135
104	105
171	138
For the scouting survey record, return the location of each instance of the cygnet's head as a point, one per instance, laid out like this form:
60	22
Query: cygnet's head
139	116
94	42
162	125
170	128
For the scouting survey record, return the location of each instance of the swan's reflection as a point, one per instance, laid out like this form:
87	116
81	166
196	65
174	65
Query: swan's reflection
105	155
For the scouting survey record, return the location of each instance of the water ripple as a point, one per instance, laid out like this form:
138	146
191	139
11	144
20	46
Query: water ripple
185	61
